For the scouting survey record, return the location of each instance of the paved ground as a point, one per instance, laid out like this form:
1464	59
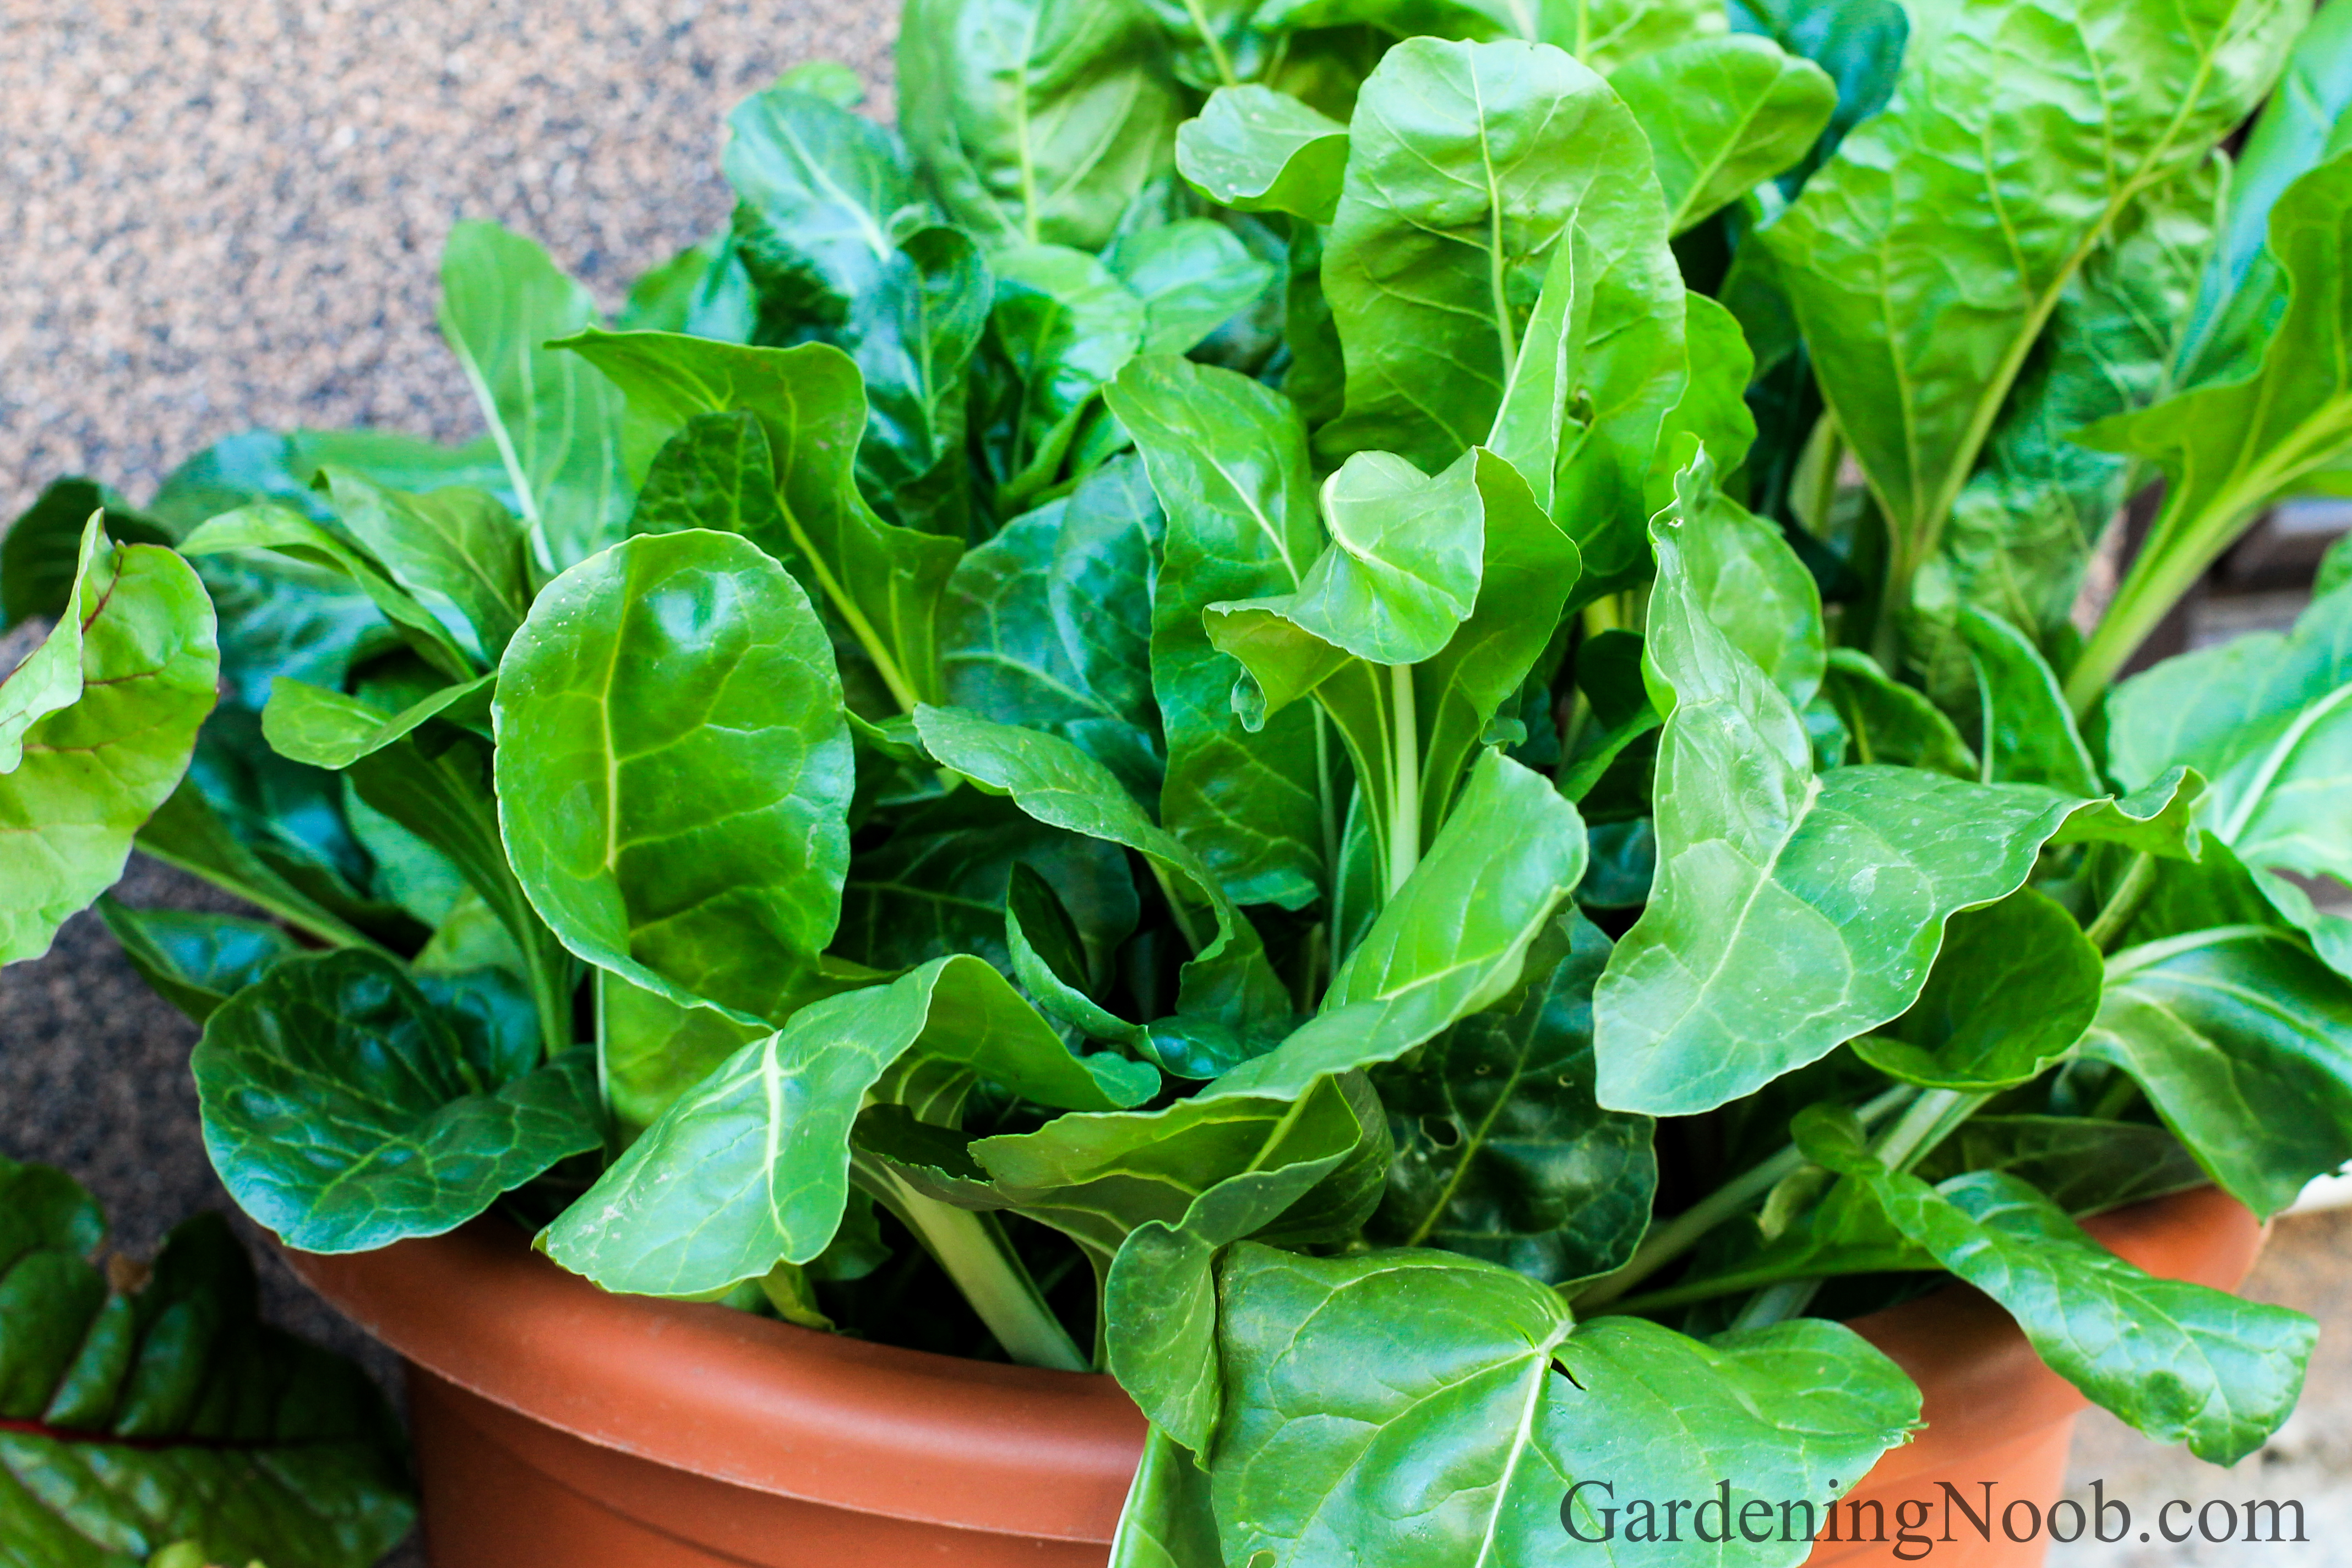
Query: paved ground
216	217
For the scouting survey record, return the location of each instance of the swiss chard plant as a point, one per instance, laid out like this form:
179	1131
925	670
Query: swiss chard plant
1382	715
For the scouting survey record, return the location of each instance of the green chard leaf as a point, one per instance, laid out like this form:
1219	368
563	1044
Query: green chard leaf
1435	597
882	582
139	1418
2027	734
2230	449
678	811
2014	986
196	962
821	194
1502	1151
2268	718
2241	1037
1398	1396
2308	122
95	728
1308	1172
1228	460
1228	978
345	1109
1061	326
40	557
1467	164
2181	1363
1451	941
557	423
751	1167
1256	150
1038	122
1858	42
1191	275
2023	528
1168	1521
1048	624
913	337
455	544
1758	951
1918	290
1721	115
288	534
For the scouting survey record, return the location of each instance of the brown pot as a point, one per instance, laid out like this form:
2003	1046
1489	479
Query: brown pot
558	1427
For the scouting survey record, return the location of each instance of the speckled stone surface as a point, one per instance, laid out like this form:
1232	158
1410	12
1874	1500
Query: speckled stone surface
214	216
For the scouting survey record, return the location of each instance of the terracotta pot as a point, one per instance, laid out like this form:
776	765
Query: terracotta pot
560	1427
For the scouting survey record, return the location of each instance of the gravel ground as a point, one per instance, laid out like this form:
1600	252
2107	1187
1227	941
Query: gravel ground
214	217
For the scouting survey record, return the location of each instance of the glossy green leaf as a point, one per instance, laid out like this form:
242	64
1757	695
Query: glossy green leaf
40	557
1160	1294
1752	588
2181	1363
1436	598
1888	722
2014	986
717	473
2028	735
1053	781
2023	528
1712	413
1062	325
935	885
1466	163
96	727
1190	276
820	193
188	832
2267	717
1723	114
324	729
1048	624
1167	1521
2081	1163
1608	35
674	773
1791	911
1399	574
344	1110
196	962
651	1050
702	289
2242	1041
1036	121
1502	1151
167	1415
1228	460
2308	122
557	423
1858	42
456	542
912	336
883	582
1256	150
1414	1395
1920	289
1453	940
751	1167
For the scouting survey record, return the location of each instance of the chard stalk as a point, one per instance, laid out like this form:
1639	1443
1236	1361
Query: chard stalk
1404	802
1682	1232
978	1256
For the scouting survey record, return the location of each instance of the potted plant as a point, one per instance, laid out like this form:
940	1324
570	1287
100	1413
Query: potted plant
1366	712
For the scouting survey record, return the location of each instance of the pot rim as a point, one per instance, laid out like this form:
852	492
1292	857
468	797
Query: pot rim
1023	1451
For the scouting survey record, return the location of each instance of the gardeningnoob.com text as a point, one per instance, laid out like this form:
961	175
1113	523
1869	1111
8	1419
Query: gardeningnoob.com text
1598	1510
